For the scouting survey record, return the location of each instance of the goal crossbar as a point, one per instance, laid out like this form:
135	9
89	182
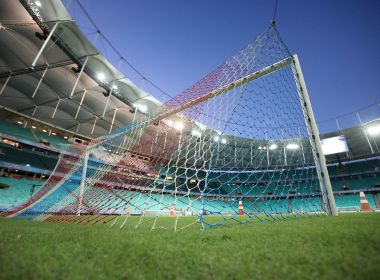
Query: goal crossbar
253	76
237	83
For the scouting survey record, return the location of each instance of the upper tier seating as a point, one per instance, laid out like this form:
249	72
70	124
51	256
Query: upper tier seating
366	182
29	134
27	157
354	167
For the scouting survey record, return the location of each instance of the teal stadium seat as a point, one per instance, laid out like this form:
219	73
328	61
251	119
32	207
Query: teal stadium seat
353	200
19	191
29	134
17	131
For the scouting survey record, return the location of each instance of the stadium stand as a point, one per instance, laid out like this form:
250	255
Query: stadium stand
29	134
15	191
363	175
29	152
26	157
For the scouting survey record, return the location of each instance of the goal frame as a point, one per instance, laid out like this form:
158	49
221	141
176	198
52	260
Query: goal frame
315	141
313	134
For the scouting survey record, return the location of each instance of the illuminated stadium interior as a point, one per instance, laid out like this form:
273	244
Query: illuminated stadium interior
79	138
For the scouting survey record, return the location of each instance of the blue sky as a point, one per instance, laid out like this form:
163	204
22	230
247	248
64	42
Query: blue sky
177	42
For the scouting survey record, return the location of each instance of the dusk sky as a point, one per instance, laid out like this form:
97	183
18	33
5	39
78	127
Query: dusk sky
176	42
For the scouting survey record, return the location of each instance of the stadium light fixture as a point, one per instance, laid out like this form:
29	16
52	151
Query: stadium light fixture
38	3
202	126
28	164
273	147
66	137
53	133
20	122
34	127
101	77
141	107
374	130
196	133
44	130
223	141
114	87
292	146
216	138
170	122
178	125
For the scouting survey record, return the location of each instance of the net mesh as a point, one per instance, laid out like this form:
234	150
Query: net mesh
232	148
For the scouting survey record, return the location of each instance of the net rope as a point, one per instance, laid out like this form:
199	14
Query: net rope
232	148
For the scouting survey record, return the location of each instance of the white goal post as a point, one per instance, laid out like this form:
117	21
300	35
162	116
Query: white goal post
320	161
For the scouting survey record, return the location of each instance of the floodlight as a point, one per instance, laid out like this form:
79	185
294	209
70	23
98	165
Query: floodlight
170	122
273	147
114	87
196	133
53	133
292	146
373	130
141	107
178	125
101	77
38	3
201	126
223	141
34	127
19	122
216	138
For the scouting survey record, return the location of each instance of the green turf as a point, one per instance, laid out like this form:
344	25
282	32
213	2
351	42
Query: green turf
344	247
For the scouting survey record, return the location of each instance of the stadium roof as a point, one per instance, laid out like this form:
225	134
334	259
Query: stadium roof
51	87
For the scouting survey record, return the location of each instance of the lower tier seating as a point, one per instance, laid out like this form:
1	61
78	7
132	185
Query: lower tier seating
16	191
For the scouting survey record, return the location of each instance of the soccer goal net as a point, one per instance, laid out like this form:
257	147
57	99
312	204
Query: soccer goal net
240	145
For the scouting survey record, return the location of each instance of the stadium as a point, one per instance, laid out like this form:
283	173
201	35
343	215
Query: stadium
104	174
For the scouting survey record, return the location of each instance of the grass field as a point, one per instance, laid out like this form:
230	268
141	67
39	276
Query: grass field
344	247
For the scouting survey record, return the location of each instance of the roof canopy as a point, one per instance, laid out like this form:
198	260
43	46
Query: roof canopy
92	103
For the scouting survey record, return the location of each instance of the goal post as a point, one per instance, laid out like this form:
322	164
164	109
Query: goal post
82	182
239	145
320	161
